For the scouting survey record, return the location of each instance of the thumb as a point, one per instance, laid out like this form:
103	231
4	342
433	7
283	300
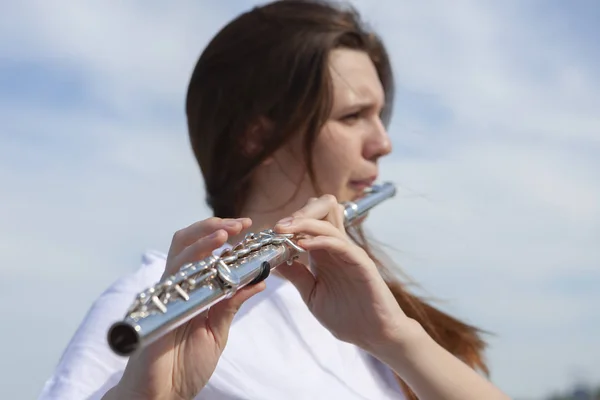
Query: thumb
301	277
221	315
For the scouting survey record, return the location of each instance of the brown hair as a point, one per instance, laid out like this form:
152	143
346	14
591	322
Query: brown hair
263	79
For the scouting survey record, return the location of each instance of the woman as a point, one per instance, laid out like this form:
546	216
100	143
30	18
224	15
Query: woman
286	108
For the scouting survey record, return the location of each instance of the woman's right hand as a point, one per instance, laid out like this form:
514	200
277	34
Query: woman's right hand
179	364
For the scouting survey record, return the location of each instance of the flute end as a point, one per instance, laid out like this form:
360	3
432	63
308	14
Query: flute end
123	338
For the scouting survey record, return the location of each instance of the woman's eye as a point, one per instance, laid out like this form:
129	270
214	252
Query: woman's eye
351	117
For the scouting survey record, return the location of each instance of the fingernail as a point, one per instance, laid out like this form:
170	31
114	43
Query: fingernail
232	224
286	221
214	235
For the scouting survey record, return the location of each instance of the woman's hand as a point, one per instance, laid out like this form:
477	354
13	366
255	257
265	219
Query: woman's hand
178	365
341	285
346	293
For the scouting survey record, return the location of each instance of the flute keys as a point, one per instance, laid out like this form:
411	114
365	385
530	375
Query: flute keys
230	258
181	292
265	241
159	304
243	252
227	275
254	246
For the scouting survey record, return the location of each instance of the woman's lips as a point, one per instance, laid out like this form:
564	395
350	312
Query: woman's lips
362	184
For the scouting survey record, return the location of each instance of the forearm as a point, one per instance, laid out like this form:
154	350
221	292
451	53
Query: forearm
431	371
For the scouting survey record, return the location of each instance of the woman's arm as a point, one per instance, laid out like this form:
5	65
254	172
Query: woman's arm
342	285
430	370
178	365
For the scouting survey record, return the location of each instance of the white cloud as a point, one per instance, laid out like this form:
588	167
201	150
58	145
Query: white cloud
493	68
497	139
502	254
131	54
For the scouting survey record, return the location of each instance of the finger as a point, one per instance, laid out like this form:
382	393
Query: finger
221	315
186	236
300	276
312	227
343	249
325	207
198	250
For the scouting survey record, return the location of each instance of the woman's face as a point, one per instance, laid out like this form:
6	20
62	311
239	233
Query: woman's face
353	139
346	151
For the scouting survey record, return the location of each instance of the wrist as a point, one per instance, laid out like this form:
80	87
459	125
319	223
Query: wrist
430	370
398	346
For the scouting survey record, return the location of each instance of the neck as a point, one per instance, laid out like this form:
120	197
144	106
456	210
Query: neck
266	217
270	201
265	211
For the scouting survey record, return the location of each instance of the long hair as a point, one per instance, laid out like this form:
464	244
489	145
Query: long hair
263	79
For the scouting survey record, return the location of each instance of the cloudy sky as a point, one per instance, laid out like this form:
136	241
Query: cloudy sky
497	160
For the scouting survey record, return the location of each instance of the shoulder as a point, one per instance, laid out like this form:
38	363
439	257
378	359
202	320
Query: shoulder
87	365
113	303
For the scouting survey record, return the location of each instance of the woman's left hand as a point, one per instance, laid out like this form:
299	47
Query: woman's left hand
341	286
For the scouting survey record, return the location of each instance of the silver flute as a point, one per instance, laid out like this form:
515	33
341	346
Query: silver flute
199	285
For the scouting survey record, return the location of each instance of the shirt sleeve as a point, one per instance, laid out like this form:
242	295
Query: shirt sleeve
88	368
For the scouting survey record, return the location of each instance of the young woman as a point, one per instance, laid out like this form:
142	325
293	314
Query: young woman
287	111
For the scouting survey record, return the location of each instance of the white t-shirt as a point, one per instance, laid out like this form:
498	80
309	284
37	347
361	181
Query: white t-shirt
276	350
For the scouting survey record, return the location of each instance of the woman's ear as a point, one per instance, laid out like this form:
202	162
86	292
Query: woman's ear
256	137
267	161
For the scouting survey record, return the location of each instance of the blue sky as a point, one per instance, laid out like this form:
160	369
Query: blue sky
497	157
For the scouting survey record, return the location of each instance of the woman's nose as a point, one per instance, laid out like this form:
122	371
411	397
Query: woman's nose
378	143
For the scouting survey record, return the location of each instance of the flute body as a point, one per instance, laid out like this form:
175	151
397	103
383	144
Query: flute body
197	286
